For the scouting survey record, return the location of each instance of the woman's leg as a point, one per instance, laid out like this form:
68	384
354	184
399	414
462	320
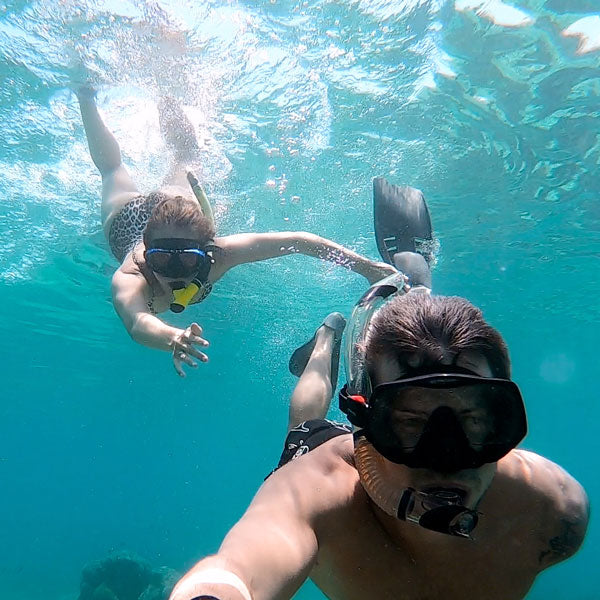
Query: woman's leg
117	186
316	362
180	136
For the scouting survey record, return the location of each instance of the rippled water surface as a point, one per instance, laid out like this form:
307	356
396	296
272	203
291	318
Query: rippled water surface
492	109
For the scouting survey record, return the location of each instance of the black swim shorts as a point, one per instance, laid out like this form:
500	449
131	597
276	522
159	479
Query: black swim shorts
309	435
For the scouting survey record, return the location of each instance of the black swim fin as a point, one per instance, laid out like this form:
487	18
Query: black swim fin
403	230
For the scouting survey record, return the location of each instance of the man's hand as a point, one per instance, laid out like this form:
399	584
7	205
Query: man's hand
184	349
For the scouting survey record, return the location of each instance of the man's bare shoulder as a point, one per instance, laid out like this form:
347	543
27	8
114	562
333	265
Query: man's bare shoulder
555	499
321	480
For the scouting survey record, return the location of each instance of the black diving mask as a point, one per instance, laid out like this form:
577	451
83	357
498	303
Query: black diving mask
443	418
177	258
445	422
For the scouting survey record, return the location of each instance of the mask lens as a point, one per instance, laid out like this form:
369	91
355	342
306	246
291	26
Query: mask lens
158	260
424	415
174	262
189	260
411	408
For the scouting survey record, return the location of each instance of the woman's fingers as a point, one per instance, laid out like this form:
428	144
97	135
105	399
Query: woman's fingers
193	335
195	329
184	349
178	367
189	349
183	357
195	339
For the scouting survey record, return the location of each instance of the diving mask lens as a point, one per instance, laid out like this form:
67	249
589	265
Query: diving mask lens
190	259
158	259
446	422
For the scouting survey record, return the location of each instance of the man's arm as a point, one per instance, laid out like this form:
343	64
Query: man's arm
569	515
564	505
253	247
267	555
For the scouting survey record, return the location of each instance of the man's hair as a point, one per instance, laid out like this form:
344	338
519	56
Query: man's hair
431	327
178	211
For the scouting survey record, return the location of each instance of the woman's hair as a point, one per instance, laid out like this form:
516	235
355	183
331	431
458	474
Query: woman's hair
178	211
432	326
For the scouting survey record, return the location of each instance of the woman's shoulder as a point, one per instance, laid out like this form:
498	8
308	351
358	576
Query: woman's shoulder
133	263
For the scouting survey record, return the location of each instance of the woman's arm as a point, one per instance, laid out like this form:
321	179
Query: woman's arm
129	299
253	247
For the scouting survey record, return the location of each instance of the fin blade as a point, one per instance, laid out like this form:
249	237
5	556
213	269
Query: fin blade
402	220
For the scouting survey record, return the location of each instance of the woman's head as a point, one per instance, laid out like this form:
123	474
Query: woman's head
176	238
177	217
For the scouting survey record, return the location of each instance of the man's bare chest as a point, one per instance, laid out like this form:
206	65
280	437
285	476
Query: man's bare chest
365	562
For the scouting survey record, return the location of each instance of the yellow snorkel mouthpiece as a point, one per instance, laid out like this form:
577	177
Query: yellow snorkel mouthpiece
181	298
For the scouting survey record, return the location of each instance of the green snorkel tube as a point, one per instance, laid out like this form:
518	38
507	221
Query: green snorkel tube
183	297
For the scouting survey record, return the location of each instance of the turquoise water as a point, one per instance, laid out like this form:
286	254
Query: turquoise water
298	105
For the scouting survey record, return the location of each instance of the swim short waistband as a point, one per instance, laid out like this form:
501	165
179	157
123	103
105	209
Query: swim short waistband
307	436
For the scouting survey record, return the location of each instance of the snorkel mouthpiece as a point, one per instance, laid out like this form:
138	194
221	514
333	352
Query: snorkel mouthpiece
439	511
182	297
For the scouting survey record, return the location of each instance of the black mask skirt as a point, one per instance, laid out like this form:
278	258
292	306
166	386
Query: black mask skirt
445	422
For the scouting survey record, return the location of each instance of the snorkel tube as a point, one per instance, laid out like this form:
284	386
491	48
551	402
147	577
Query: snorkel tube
200	196
181	298
440	511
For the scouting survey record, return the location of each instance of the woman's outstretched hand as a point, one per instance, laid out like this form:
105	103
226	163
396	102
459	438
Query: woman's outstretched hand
184	350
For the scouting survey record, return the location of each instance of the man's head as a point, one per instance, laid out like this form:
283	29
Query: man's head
437	405
175	238
416	332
